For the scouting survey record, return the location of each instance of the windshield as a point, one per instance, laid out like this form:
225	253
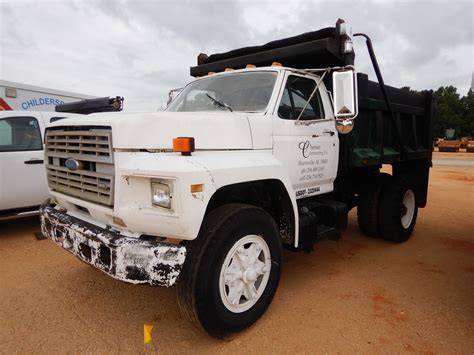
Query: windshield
244	92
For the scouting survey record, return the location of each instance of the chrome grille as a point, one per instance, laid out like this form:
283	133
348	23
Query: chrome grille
82	145
92	148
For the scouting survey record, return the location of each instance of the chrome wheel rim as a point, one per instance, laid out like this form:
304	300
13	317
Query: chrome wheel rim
408	208
244	274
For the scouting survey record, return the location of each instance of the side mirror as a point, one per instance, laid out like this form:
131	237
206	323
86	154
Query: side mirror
345	94
344	84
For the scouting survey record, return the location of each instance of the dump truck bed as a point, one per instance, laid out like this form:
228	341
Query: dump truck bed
378	138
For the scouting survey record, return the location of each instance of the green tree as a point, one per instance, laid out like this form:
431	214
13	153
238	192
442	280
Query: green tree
450	111
467	104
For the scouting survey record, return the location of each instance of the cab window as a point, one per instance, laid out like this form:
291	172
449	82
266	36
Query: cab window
297	92
19	134
239	92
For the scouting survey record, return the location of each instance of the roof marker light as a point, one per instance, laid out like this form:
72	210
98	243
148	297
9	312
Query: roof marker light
276	64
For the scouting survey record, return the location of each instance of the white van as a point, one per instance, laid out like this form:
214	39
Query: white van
23	184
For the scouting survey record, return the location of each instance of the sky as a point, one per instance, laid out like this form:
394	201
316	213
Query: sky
140	49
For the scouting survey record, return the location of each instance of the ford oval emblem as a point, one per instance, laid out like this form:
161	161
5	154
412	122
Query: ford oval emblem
72	164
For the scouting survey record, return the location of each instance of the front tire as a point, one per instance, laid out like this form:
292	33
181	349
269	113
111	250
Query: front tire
232	269
398	209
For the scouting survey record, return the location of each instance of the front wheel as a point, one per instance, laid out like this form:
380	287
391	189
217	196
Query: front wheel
398	210
232	269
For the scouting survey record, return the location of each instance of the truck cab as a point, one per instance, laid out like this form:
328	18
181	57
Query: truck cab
238	138
272	100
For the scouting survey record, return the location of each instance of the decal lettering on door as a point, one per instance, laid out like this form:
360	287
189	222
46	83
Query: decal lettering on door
313	163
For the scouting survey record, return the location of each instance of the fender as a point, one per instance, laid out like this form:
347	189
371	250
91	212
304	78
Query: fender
230	168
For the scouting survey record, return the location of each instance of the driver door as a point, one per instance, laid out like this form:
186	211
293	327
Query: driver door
308	148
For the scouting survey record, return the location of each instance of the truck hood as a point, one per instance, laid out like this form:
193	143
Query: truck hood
157	130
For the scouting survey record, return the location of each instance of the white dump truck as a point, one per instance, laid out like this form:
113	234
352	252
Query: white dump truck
261	151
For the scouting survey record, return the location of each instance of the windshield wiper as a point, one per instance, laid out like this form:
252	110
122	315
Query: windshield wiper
220	104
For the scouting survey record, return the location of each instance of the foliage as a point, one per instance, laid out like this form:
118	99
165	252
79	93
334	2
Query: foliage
467	104
454	112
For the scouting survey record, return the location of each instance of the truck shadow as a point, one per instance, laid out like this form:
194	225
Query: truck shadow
327	257
21	226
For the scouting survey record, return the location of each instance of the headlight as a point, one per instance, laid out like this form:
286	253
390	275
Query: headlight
161	194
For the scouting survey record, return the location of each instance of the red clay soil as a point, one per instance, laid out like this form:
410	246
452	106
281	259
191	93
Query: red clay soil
358	295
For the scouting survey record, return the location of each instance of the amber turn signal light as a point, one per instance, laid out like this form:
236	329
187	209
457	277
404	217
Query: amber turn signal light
183	145
197	188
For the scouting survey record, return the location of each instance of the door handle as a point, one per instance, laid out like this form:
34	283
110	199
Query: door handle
328	131
34	161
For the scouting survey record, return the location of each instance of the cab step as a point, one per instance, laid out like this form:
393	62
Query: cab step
320	220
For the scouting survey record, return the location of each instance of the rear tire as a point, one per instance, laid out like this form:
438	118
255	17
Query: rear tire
368	205
398	209
232	270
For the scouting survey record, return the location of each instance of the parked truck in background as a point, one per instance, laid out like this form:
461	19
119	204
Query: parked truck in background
22	97
269	147
449	145
23	185
25	110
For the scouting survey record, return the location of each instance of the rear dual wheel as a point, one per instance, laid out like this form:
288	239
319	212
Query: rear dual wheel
388	208
398	210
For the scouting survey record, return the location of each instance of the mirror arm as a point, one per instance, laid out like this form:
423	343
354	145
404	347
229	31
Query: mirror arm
311	96
331	99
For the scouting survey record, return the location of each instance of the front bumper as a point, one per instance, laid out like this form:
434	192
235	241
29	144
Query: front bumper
126	259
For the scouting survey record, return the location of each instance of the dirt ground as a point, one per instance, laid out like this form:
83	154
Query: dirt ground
461	155
358	295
